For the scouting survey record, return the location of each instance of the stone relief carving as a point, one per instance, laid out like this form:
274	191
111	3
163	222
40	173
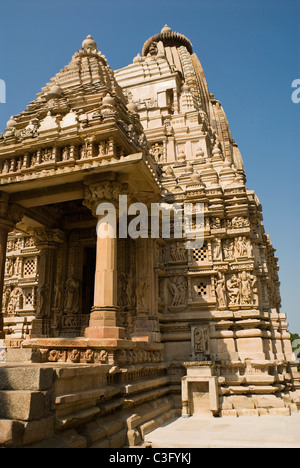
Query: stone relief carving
109	191
71	304
228	248
42	296
13	300
48	235
233	290
177	252
142	287
243	247
221	290
216	223
178	290
242	289
58	296
238	222
157	150
200	343
217	249
125	287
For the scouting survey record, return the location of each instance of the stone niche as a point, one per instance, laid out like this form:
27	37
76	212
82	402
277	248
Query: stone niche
200	390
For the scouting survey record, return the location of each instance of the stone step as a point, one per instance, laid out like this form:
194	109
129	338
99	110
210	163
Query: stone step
79	378
25	378
11	433
24	405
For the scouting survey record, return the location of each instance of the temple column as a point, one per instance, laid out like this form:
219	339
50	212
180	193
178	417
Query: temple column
101	198
103	318
10	214
4	230
47	241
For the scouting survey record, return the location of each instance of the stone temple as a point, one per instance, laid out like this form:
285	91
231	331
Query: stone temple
105	338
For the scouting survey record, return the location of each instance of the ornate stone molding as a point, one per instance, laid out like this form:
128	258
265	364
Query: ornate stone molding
10	213
48	236
106	191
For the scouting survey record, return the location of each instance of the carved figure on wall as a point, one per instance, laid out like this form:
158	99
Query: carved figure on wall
15	301
240	247
217	249
245	288
130	292
178	289
254	290
178	252
10	246
42	295
6	298
243	247
157	151
216	223
122	290
242	289
153	50
18	244
238	222
221	290
58	296
200	339
9	267
72	296
65	153
46	155
29	242
233	289
228	249
143	285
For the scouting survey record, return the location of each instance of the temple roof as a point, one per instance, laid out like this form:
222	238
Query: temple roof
169	39
88	74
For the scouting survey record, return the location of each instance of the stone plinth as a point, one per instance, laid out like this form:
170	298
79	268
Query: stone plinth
92	351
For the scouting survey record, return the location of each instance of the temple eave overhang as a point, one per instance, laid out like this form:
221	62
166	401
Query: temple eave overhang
60	182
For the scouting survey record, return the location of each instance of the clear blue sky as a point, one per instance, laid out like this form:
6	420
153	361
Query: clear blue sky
249	50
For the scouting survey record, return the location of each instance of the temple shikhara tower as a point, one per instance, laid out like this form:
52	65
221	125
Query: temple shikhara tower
104	339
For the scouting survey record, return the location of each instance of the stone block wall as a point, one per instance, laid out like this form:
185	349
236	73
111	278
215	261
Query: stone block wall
52	406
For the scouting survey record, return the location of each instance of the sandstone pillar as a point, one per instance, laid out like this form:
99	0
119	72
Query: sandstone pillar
10	214
101	198
103	316
4	230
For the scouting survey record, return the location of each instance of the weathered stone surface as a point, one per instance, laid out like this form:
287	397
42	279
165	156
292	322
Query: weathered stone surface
22	355
11	433
25	378
240	402
41	429
268	401
23	405
71	439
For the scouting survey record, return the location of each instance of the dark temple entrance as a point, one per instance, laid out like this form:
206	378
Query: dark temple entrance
88	283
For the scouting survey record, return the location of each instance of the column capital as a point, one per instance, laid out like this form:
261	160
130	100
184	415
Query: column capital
10	213
48	237
105	191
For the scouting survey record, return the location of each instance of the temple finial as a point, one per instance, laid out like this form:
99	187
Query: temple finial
165	29
89	43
